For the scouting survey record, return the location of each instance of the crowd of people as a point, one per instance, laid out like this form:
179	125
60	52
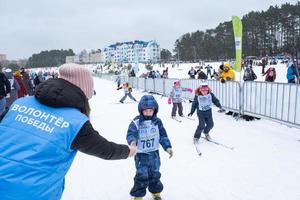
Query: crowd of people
226	73
20	83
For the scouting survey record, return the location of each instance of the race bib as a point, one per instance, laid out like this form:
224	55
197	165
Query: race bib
204	102
177	94
148	137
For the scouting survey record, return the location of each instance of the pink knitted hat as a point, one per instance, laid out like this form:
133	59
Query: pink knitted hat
79	76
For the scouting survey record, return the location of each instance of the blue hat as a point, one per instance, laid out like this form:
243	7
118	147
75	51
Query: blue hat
146	102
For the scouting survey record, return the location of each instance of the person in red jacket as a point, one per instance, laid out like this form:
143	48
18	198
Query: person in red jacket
18	77
270	74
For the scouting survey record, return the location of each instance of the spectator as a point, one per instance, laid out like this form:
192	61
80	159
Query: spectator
157	74
208	71
14	88
192	73
291	73
264	62
38	78
201	74
27	82
118	81
228	74
18	77
249	74
132	74
151	74
270	74
165	73
4	91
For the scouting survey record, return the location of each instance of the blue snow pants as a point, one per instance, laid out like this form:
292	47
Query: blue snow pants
206	123
147	174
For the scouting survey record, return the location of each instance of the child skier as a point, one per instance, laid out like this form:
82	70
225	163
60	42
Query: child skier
202	102
118	81
146	131
127	90
175	97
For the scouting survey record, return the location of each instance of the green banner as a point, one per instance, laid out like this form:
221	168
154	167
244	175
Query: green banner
238	34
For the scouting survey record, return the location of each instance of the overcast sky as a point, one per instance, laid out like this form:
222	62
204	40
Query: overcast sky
30	26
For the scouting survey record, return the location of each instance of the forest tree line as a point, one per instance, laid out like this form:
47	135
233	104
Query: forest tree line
270	32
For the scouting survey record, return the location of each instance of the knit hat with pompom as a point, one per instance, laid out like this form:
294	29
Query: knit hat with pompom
79	76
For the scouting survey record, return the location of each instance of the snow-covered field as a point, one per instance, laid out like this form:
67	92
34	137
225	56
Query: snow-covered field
264	164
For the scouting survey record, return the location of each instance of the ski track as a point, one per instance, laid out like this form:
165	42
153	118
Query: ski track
263	165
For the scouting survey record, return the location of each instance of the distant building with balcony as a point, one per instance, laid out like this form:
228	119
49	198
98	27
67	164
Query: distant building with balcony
131	52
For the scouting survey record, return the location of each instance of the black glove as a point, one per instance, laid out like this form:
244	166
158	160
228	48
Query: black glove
190	114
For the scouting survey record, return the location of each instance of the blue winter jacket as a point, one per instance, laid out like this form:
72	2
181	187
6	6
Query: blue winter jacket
148	101
291	73
35	149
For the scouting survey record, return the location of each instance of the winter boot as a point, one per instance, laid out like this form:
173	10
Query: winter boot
196	140
207	137
137	198
156	196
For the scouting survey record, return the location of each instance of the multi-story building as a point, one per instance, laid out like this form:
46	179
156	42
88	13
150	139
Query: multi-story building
84	57
2	57
135	51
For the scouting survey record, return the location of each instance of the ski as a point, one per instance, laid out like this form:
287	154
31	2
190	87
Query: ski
178	120
218	143
124	102
188	118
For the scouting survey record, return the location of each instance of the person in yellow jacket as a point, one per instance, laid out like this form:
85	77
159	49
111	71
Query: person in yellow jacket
228	74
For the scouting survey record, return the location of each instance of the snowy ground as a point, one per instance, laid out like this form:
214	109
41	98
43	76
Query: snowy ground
264	164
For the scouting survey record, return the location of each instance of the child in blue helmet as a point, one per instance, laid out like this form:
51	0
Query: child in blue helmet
146	131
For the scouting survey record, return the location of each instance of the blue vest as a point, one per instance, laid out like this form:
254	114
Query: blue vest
35	149
177	93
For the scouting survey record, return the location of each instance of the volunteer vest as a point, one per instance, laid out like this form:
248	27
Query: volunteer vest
35	152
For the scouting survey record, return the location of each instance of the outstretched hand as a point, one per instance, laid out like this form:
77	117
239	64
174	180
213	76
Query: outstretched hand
170	152
132	150
190	90
190	114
